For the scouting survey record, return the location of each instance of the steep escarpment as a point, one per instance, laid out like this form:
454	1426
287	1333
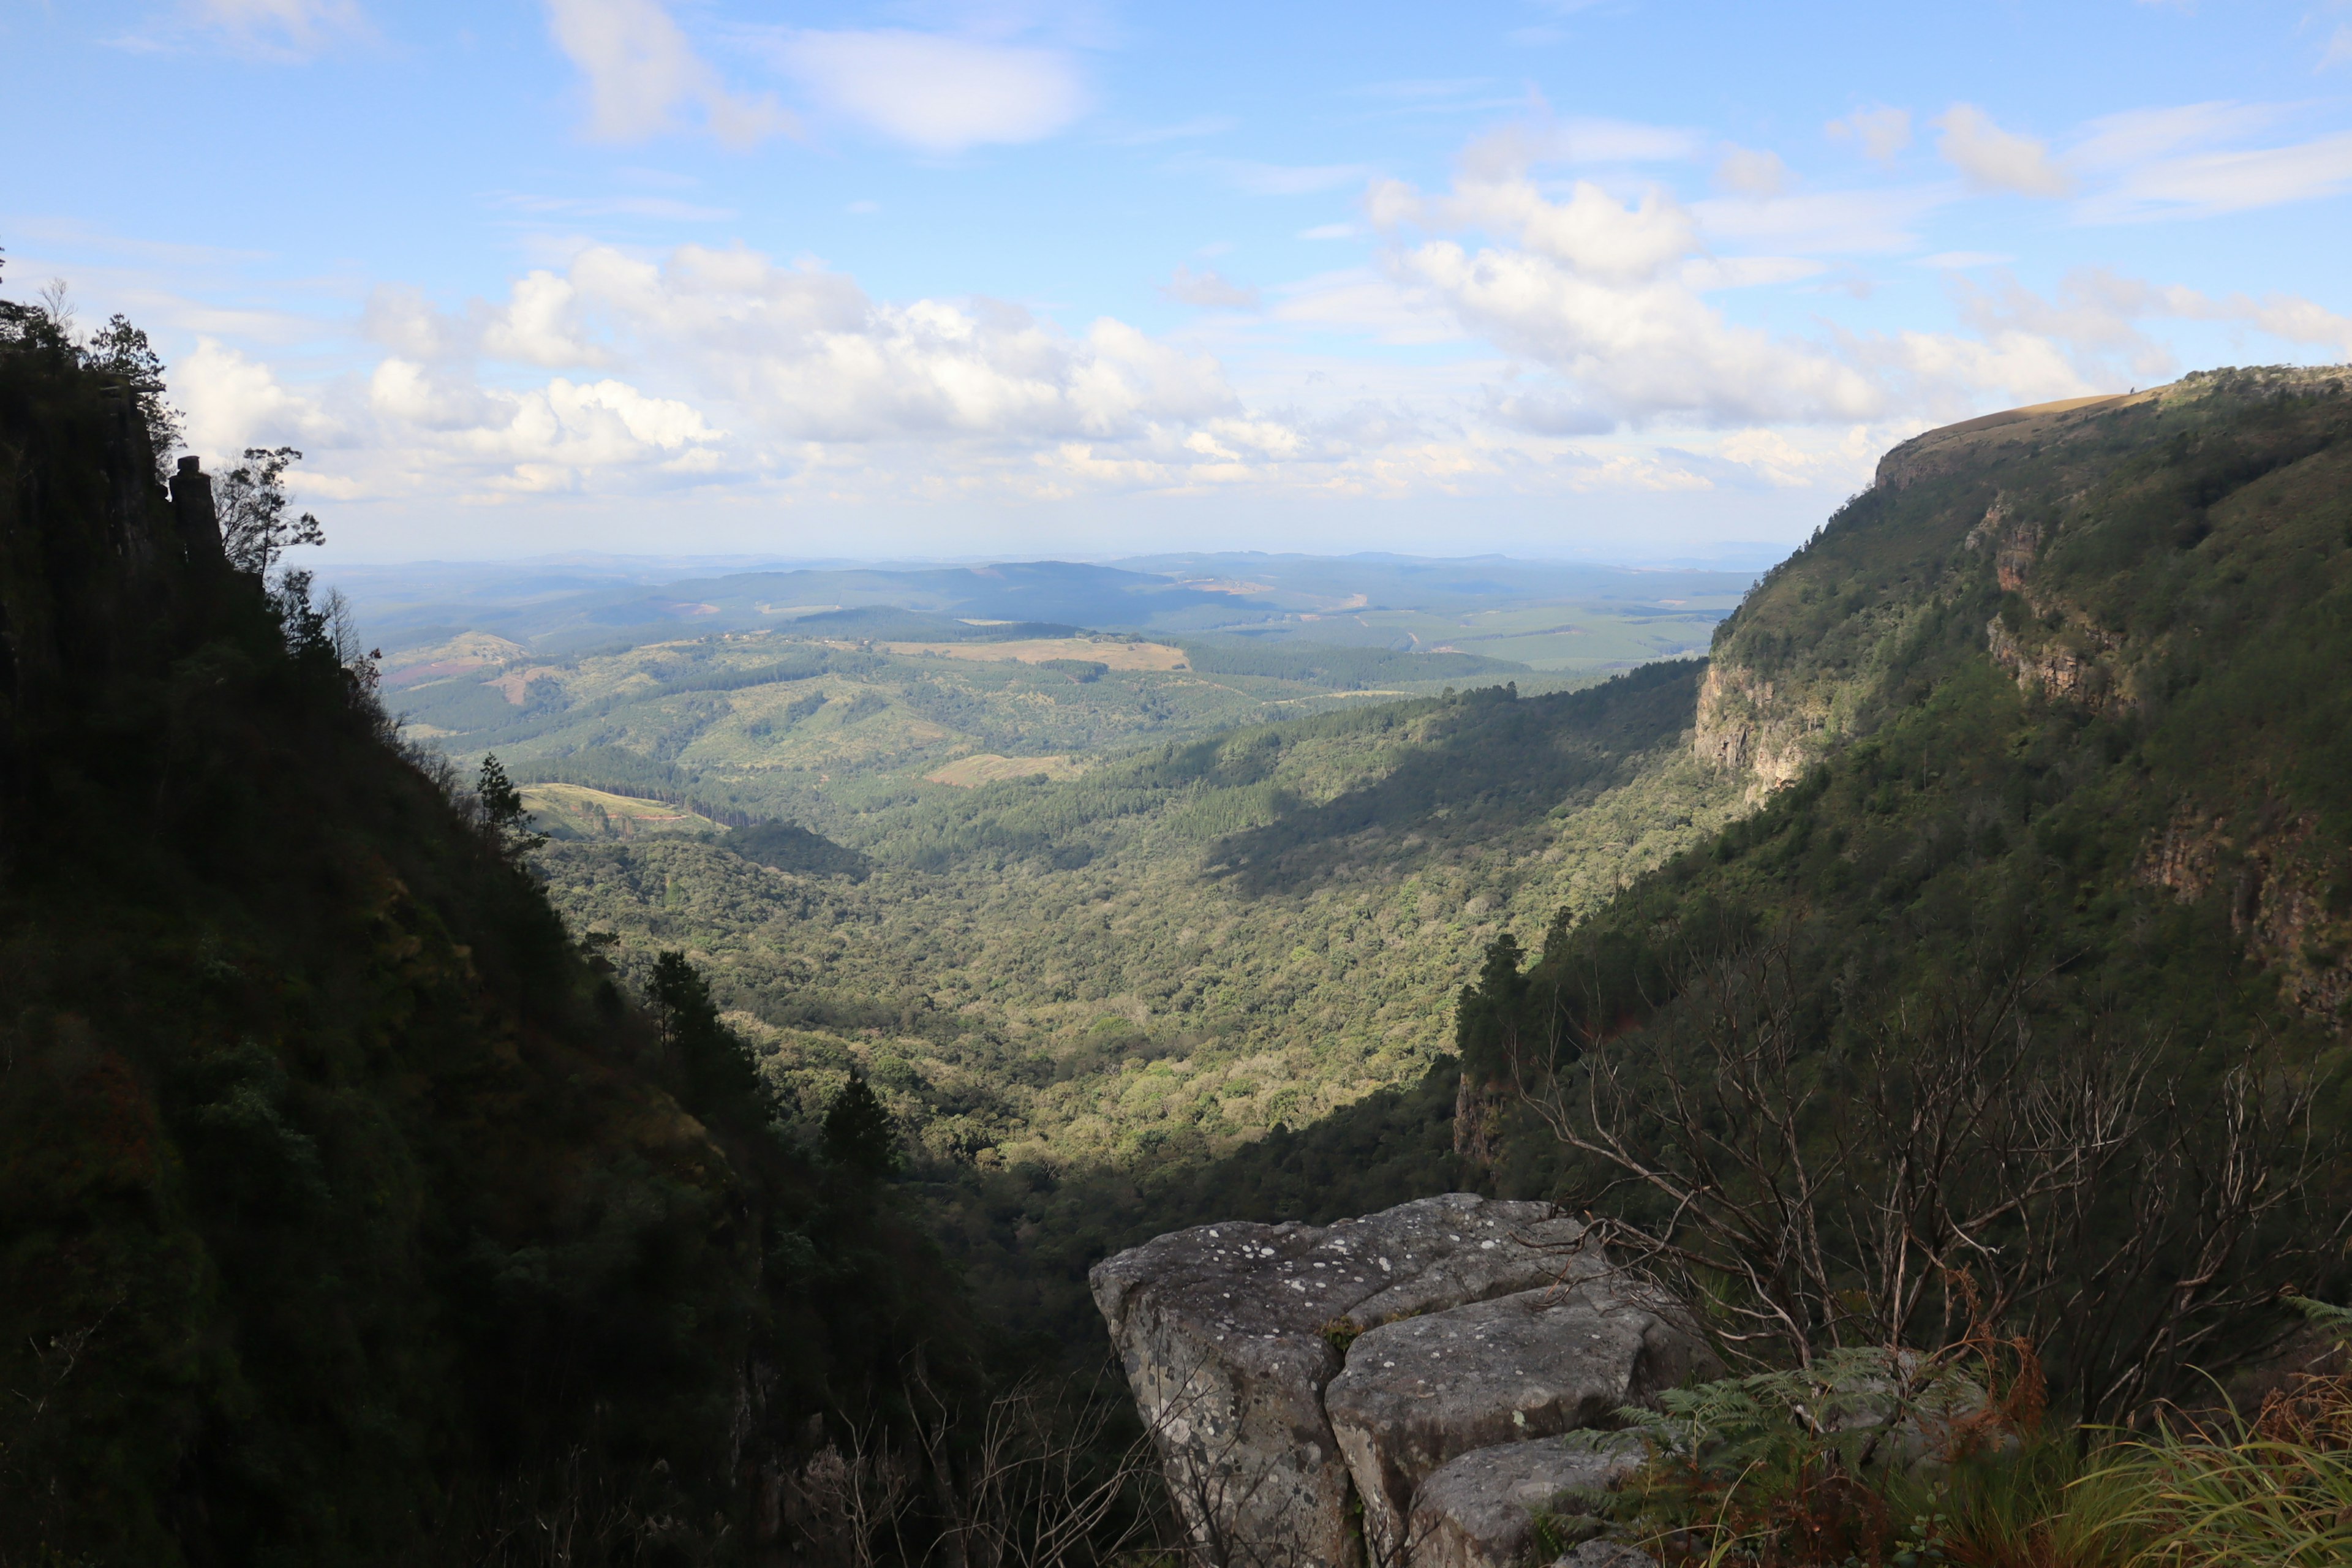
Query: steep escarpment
2051	740
348	1212
2110	555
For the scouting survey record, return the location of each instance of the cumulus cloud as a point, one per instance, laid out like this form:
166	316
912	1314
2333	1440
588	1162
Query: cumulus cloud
1997	160
540	323
1607	290
2096	314
1593	340
938	94
232	401
1593	287
810	355
805	366
1208	288
642	71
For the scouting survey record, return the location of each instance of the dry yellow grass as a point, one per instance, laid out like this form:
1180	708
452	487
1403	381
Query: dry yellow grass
1117	655
593	814
469	651
987	767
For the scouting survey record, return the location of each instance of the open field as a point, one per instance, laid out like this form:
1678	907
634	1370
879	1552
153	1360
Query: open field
574	811
1116	653
986	768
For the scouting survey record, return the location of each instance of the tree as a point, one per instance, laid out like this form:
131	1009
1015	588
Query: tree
252	500
1887	1182
122	350
502	809
712	1068
860	1135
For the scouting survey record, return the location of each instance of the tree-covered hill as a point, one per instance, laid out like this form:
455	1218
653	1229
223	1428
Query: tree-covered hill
349	1212
1181	949
2025	988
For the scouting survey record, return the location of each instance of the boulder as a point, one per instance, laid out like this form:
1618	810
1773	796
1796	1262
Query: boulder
1605	1554
1229	1332
1479	1510
1418	1393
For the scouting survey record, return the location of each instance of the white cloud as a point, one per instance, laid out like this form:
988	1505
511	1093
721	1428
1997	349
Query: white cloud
2117	140
641	69
1591	232
1209	290
1997	160
1360	302
801	352
936	93
1822	223
1639	350
1606	292
2093	315
2206	184
1752	172
1883	132
2096	314
1595	140
540	325
234	402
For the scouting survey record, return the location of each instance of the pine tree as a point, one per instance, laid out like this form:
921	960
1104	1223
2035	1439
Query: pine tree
860	1135
502	810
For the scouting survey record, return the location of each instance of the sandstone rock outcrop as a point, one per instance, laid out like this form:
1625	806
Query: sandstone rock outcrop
1419	1393
1480	1510
1233	1335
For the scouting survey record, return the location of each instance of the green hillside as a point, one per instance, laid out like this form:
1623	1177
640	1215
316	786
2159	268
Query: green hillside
1176	951
2039	948
822	723
349	1212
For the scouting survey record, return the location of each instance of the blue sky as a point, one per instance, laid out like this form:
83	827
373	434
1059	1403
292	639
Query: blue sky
1626	281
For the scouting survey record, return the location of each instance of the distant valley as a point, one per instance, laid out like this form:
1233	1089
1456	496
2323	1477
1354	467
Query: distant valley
1089	860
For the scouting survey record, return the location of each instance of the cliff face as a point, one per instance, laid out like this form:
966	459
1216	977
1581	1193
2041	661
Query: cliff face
2114	552
2054	720
347	1214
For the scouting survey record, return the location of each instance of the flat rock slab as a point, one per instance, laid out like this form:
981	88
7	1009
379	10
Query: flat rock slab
1222	1332
1605	1554
1479	1510
1418	1393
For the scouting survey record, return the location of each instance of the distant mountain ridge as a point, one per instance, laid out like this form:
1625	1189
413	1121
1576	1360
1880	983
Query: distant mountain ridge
1412	604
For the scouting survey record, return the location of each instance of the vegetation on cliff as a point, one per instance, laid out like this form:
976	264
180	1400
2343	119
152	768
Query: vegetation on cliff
348	1212
2025	1000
